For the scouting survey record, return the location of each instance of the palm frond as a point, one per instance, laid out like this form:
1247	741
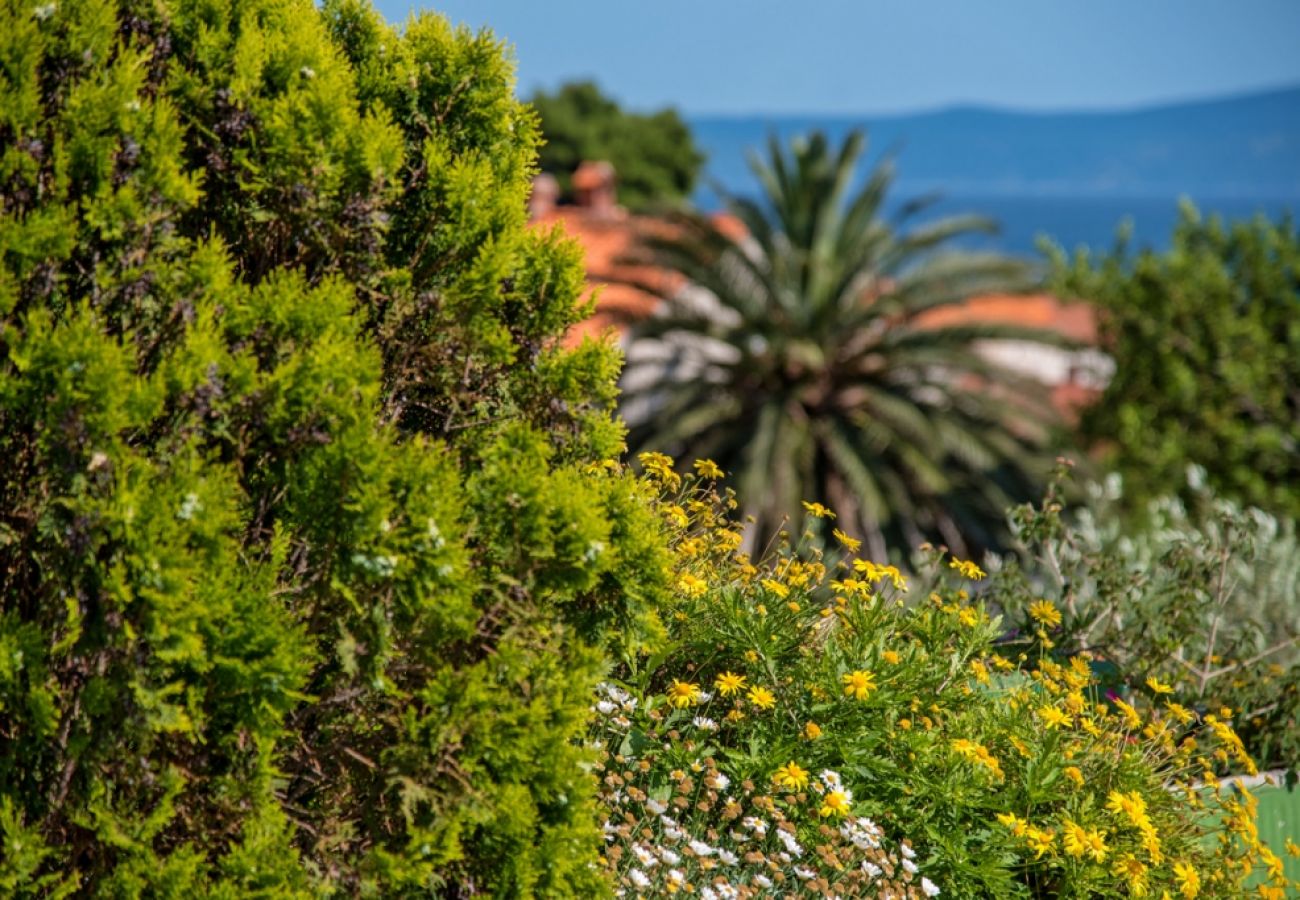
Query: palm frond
821	367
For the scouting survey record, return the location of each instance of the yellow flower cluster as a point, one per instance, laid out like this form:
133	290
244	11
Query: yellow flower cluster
967	569
875	572
793	653
979	754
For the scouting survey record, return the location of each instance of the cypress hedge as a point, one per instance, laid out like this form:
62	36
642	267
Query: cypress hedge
309	556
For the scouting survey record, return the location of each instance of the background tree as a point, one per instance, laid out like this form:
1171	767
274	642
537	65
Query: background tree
803	362
1206	341
653	154
308	563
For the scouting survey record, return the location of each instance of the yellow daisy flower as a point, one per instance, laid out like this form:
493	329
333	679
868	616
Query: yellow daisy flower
761	697
791	775
729	683
683	694
835	803
859	684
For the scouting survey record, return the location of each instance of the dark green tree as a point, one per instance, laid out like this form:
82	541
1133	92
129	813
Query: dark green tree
1206	342
801	360
653	154
308	557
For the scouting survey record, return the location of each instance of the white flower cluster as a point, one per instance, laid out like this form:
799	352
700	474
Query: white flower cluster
862	833
615	705
704	834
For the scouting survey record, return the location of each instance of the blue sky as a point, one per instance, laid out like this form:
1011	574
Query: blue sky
876	56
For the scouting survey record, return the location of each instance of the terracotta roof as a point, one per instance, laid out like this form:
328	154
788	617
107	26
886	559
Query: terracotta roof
606	241
1077	321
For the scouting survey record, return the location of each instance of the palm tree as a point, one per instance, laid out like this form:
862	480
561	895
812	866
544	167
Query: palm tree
805	357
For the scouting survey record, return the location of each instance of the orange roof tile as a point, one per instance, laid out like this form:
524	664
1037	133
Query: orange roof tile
1077	321
606	242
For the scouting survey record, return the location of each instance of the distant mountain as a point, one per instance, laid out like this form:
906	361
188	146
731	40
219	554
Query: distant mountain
1244	148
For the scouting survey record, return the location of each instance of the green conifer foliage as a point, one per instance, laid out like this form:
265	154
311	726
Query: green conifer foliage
307	561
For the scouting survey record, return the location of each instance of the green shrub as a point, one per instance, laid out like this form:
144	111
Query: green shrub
1193	602
308	560
818	726
1206	343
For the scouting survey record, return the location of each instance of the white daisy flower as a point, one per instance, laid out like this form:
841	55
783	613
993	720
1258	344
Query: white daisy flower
699	848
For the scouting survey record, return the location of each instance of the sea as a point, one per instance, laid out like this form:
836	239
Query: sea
1092	223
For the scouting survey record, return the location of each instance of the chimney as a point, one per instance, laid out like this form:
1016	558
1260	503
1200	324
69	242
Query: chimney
593	188
544	196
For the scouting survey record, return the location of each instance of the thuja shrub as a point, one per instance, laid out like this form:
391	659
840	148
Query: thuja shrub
309	561
822	725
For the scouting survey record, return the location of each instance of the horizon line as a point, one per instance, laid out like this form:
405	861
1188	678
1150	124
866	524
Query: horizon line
983	106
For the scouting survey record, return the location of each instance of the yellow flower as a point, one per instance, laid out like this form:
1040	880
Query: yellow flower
1181	713
890	657
1292	849
1046	612
850	544
729	683
692	586
835	803
1189	880
1273	864
858	684
707	468
1040	840
1014	823
879	573
1134	872
761	697
776	587
1075	774
1131	806
1054	718
791	775
660	467
812	731
683	694
818	511
978	753
968	617
1131	717
967	569
1159	686
1079	841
